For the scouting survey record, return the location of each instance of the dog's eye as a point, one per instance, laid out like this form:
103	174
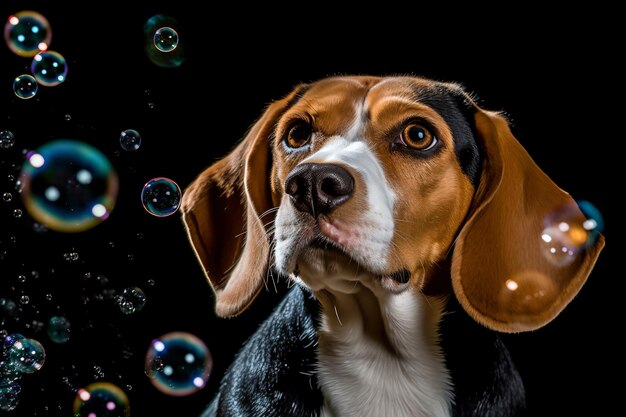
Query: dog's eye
417	137
299	135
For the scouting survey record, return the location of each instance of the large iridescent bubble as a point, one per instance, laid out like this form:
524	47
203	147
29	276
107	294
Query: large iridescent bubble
27	33
178	363
68	186
101	399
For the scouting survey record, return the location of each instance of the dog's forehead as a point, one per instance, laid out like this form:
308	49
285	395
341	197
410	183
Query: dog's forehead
337	91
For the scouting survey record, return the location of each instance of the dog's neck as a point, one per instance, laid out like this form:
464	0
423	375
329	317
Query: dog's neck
379	351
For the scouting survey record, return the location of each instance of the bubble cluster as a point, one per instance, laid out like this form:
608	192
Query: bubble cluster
27	33
131	300
49	68
130	140
9	395
165	39
101	399
566	232
7	140
178	363
161	197
69	186
59	329
25	86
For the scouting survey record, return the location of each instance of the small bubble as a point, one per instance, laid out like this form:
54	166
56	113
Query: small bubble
7	139
131	300
25	86
151	282
161	197
130	140
7	197
37	325
70	256
166	39
48	297
151	106
8	308
59	329
103	280
17	213
139	236
21	278
68	117
97	372
39	228
24	299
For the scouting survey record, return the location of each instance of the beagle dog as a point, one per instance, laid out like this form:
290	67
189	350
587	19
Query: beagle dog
411	221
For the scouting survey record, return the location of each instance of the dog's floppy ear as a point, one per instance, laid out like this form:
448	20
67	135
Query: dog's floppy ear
221	211
507	272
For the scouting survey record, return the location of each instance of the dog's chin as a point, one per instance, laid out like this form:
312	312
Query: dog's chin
321	265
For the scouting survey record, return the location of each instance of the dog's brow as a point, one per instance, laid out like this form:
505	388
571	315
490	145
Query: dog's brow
300	91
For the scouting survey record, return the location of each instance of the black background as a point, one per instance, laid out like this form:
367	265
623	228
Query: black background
553	73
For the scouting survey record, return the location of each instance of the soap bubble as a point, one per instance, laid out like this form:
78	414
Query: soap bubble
27	355
59	329
27	33
49	68
68	185
25	86
567	232
130	140
161	197
178	364
165	39
101	399
7	139
131	300
172	58
8	308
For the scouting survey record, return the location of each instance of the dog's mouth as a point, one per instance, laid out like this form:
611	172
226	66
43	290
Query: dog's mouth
322	248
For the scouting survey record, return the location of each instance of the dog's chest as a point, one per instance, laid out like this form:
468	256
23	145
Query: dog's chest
404	377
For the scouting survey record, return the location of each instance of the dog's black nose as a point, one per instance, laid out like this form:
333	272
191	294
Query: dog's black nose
318	188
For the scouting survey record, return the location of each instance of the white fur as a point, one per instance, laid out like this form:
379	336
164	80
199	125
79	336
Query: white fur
406	378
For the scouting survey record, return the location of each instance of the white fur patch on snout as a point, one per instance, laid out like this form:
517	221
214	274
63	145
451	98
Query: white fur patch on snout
365	239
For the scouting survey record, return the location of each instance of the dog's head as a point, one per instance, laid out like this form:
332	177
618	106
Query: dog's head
378	181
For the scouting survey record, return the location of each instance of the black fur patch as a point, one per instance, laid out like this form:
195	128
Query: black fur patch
459	115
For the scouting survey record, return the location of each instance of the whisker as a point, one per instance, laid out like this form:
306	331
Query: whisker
337	315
